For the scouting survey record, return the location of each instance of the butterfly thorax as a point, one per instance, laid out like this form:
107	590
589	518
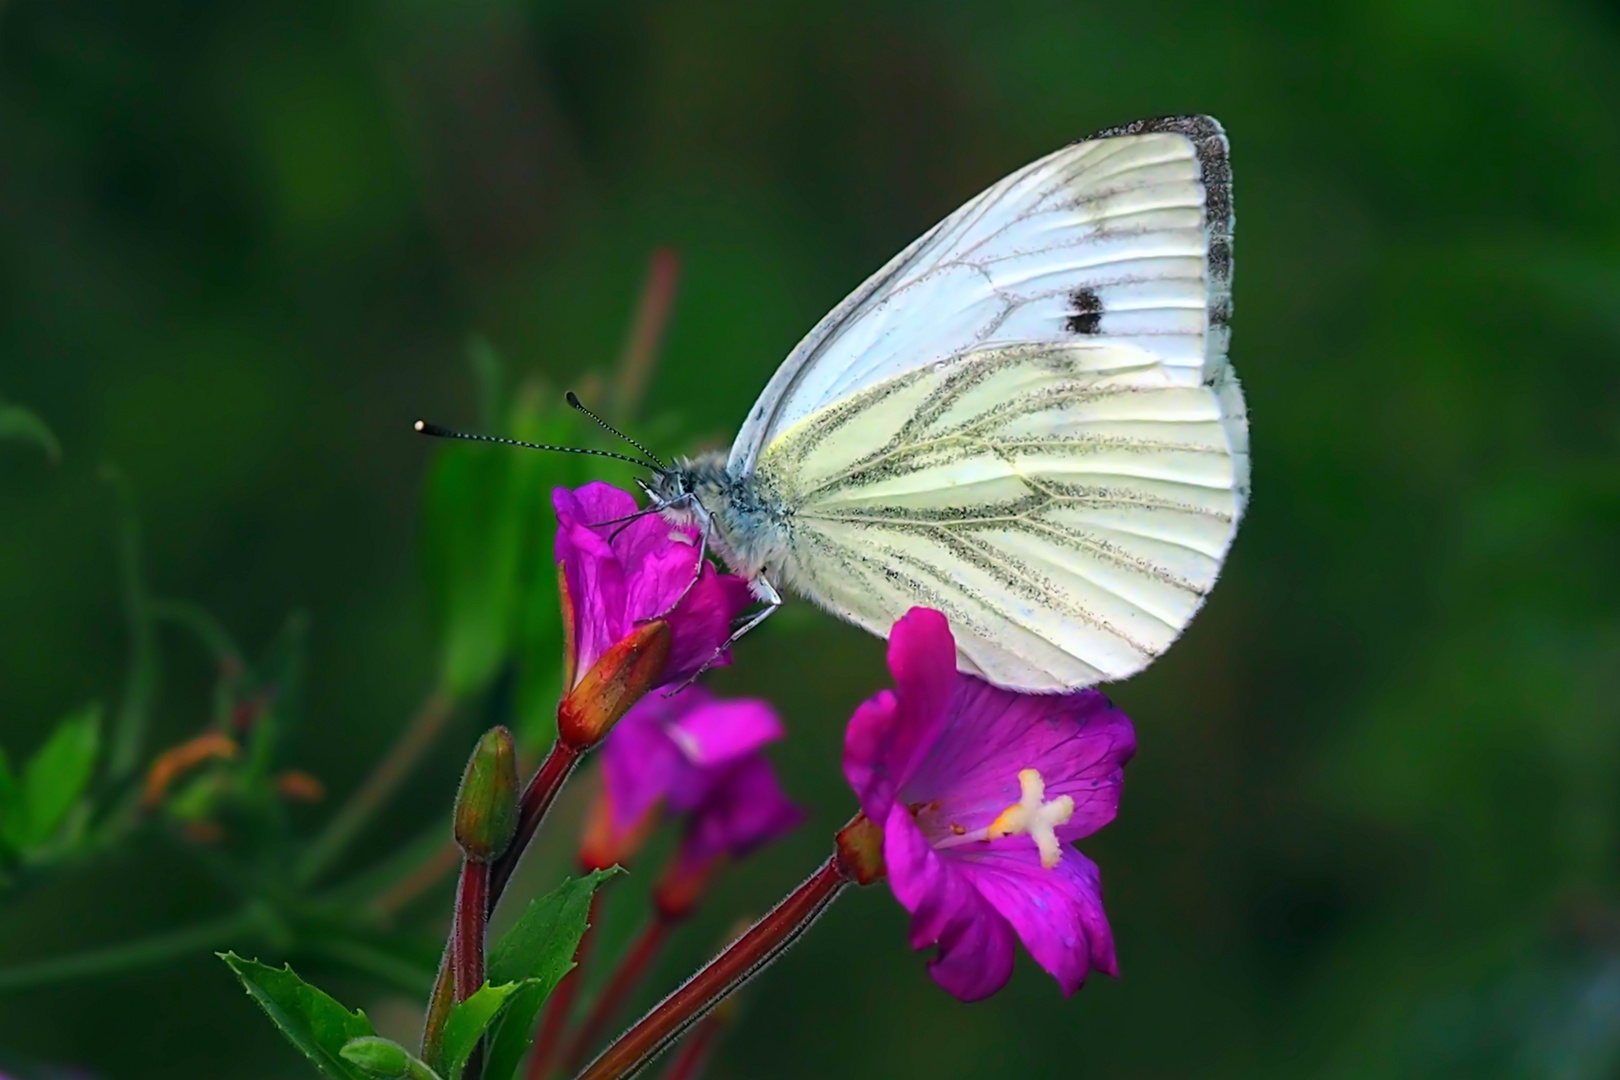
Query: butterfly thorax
746	527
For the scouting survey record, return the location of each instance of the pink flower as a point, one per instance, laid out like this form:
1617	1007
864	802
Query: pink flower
623	572
979	792
701	759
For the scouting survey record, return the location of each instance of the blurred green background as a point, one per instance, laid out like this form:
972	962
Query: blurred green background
1374	825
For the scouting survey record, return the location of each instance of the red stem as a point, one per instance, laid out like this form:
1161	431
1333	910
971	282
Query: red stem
471	899
746	957
560	1006
537	799
627	976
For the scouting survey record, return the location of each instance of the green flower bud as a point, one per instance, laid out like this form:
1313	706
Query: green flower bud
384	1060
487	804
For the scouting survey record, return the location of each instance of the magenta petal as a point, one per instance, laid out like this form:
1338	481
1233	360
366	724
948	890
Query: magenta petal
865	739
657	578
596	503
596	580
701	623
633	541
922	659
640	764
976	944
1078	742
891	733
1057	913
744	809
720	732
623	570
975	957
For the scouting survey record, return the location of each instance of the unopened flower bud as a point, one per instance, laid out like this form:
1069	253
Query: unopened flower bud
383	1060
620	678
487	804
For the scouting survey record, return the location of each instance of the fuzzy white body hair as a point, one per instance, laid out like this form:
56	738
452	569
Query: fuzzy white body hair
750	531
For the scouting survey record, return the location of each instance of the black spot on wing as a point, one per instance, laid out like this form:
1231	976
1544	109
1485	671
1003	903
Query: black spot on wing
1086	311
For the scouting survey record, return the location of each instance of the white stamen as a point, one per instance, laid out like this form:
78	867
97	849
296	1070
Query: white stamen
1034	817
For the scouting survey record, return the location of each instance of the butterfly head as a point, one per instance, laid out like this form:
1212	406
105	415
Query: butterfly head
690	490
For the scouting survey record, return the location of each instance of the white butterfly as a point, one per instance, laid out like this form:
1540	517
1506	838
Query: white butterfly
1026	420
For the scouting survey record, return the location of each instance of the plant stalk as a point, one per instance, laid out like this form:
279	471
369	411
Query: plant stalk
471	900
379	787
542	791
745	958
133	955
627	977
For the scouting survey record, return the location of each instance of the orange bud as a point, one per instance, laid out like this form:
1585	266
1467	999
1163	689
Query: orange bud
202	832
681	887
300	786
181	759
619	679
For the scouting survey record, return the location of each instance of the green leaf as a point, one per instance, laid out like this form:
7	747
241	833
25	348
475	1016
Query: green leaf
141	679
538	949
312	1020
488	534
471	1018
55	779
277	684
19	424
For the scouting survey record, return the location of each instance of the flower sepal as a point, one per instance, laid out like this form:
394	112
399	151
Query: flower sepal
860	851
622	676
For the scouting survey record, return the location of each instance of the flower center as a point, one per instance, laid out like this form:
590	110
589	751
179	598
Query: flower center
1032	816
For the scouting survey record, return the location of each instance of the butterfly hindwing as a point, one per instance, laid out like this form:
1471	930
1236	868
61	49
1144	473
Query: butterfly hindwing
1068	507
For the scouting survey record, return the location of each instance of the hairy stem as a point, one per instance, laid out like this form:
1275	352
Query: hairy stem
440	1002
746	957
627	977
469	930
537	799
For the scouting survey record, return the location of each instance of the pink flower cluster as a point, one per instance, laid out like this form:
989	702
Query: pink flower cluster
979	792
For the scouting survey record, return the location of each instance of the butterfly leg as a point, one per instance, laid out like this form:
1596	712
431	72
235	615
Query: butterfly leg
697	567
767	594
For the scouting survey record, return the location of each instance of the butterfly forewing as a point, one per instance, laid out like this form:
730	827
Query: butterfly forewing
1125	237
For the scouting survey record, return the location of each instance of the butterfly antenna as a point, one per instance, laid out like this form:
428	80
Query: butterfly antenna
445	433
574	402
